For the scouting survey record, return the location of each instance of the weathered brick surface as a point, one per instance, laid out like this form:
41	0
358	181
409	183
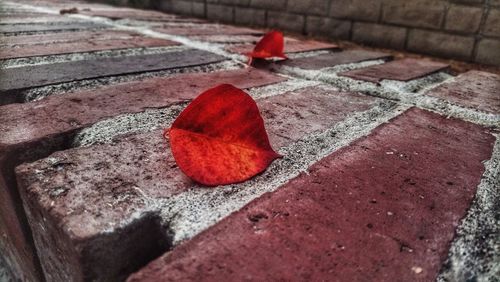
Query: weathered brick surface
419	13
47	134
24	77
468	1
10	29
209	29
249	16
82	46
356	9
487	52
251	39
328	27
383	209
220	13
404	70
58	37
379	35
72	109
138	163
335	19
288	21
338	58
136	15
117	200
463	18
272	5
313	7
474	89
235	2
440	44
16	245
492	25
198	9
291	46
178	7
41	19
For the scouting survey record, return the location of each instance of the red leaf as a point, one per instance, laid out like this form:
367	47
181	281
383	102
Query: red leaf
271	45
220	138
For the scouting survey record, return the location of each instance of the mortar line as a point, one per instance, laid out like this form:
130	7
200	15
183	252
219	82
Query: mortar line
147	31
105	131
401	95
193	211
480	216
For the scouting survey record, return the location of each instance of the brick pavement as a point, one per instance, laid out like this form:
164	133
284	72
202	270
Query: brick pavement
387	164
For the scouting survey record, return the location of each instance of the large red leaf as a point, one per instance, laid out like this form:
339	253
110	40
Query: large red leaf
220	138
271	45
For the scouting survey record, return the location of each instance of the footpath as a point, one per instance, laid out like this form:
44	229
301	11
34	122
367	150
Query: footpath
390	169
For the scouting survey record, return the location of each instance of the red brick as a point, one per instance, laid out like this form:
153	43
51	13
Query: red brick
35	39
83	108
16	244
228	38
383	209
30	131
82	46
37	27
474	89
140	15
130	14
337	58
290	47
207	29
14	79
31	19
19	14
403	70
91	178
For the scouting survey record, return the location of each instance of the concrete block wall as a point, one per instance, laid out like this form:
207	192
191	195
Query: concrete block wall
467	30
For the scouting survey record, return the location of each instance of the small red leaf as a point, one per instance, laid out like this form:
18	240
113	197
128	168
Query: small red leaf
220	138
271	45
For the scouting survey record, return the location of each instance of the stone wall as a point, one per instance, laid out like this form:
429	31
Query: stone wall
468	30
